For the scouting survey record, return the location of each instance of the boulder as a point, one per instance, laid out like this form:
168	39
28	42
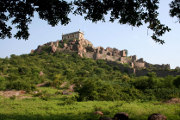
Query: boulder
121	116
80	48
157	116
105	118
99	113
54	48
80	54
173	101
65	45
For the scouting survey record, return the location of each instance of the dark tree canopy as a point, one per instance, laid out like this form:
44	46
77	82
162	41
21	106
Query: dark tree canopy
131	12
175	9
21	12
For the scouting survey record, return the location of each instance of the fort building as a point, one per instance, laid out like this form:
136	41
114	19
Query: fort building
75	35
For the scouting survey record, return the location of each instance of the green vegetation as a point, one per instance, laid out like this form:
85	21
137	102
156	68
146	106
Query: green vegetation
98	85
61	107
94	80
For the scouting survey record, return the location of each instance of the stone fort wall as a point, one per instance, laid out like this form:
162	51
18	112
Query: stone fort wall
75	35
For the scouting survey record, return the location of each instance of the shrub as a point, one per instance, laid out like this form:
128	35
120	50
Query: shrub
95	89
141	83
2	83
162	93
57	80
177	82
168	82
13	97
70	100
44	95
20	85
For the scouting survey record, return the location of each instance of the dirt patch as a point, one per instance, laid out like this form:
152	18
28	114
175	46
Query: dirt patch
173	101
24	97
10	93
63	84
44	84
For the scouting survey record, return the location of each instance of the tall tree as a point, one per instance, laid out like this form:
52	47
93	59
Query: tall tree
131	12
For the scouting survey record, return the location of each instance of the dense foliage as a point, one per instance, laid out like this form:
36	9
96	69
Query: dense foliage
131	12
94	80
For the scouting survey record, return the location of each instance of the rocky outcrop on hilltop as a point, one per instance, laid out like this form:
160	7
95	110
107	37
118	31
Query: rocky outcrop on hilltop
85	48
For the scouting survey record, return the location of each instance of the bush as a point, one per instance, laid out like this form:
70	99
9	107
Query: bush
20	85
177	82
94	89
162	93
2	83
13	97
141	83
168	82
131	94
146	82
70	100
44	95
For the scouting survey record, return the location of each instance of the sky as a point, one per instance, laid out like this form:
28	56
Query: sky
106	34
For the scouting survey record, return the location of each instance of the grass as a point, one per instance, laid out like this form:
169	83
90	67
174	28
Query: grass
53	109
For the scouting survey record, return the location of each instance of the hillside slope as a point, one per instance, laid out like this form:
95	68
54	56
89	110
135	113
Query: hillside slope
85	49
94	79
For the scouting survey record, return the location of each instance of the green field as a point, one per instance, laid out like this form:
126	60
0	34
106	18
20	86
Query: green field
57	107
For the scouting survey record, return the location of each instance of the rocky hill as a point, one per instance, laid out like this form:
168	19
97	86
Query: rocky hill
85	48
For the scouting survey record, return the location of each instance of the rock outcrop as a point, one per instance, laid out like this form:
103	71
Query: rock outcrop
85	48
157	116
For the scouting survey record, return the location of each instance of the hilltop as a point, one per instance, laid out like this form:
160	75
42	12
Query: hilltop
76	43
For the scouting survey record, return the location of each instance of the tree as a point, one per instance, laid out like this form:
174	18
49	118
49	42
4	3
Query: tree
20	12
131	12
175	9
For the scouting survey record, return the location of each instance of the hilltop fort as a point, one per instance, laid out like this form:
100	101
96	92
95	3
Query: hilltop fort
75	42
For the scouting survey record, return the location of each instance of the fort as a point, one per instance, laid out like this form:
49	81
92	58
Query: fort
75	35
75	42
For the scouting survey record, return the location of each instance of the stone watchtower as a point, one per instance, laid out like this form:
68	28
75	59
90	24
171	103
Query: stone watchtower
75	35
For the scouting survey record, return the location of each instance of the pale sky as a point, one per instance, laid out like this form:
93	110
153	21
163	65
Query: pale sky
115	35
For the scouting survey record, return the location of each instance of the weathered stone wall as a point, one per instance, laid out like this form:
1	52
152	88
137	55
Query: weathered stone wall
123	53
75	35
134	58
159	73
139	64
121	67
125	60
156	66
164	73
